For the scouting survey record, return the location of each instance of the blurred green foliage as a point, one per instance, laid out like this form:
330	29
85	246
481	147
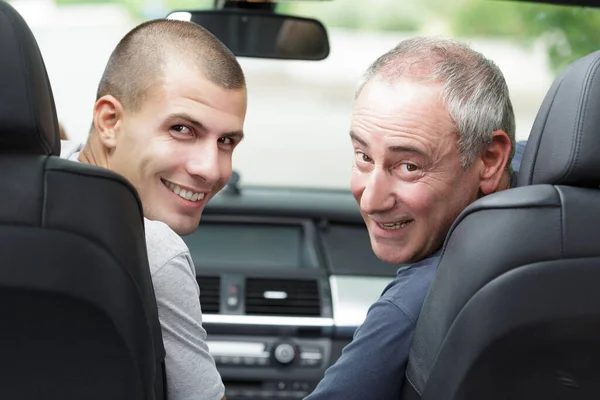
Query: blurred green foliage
371	15
570	32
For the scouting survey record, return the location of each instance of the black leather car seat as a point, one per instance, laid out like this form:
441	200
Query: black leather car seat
77	307
514	309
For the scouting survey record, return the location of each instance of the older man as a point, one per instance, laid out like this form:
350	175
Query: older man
433	130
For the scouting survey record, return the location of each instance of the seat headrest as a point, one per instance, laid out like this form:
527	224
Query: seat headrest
564	145
28	121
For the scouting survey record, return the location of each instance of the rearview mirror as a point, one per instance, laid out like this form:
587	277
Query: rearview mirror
249	33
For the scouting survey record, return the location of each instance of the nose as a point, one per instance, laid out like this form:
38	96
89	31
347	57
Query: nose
378	195
203	162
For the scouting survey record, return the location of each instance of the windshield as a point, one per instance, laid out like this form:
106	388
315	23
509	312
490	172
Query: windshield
299	112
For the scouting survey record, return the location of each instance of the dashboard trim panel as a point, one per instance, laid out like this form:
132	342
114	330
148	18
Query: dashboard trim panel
266	320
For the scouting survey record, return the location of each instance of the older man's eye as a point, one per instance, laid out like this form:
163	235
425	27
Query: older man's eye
410	167
363	157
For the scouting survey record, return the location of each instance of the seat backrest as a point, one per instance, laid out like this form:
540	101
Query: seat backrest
514	308
79	316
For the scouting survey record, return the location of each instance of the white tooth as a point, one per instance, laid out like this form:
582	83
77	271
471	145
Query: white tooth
176	190
195	197
188	195
200	196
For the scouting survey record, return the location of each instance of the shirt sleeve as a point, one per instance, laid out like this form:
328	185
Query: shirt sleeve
191	370
372	366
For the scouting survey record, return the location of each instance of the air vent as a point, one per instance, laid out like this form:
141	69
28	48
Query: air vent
289	297
209	293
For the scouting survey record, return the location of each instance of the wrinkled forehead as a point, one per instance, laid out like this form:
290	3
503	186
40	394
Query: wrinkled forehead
391	101
403	114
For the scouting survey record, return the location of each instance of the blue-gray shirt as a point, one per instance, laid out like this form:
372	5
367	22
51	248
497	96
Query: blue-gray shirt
372	366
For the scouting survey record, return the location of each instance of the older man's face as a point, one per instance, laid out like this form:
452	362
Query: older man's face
406	175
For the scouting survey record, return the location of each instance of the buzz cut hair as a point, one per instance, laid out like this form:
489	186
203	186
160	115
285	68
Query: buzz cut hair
138	62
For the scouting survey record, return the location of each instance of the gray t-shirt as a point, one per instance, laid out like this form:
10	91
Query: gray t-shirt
191	370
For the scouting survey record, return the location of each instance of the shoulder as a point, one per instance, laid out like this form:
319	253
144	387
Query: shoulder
163	245
408	290
69	148
160	234
519	151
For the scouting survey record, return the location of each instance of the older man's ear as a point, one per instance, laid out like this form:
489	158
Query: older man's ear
494	159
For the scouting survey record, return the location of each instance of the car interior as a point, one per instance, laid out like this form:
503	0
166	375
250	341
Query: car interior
281	307
512	313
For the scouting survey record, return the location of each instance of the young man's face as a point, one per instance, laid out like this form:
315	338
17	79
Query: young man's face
176	148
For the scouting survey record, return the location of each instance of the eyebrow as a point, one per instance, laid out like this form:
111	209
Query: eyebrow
407	149
356	138
395	149
198	125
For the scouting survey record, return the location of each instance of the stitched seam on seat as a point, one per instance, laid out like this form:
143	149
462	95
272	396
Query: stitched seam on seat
539	141
580	122
412	384
561	223
44	193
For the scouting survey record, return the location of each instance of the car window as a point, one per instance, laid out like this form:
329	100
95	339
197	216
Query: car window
299	111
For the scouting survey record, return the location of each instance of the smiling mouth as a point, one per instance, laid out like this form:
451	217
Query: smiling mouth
395	225
184	194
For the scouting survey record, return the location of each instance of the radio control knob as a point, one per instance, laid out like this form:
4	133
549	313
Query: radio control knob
284	353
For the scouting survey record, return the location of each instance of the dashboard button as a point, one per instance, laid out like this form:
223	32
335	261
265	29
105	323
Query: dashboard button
236	360
233	297
262	361
284	353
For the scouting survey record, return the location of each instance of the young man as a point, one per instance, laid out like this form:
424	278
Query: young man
169	113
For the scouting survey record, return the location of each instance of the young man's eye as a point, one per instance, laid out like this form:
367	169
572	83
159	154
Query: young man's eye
226	140
181	129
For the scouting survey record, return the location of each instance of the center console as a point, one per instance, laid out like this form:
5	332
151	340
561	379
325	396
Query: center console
275	315
270	367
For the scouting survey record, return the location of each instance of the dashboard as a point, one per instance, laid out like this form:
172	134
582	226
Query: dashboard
286	276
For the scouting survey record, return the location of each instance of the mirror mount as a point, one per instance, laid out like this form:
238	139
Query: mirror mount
262	34
266	6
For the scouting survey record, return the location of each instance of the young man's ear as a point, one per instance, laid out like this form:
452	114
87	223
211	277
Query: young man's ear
107	118
495	157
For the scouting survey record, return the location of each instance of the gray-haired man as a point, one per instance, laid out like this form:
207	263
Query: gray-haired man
433	129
